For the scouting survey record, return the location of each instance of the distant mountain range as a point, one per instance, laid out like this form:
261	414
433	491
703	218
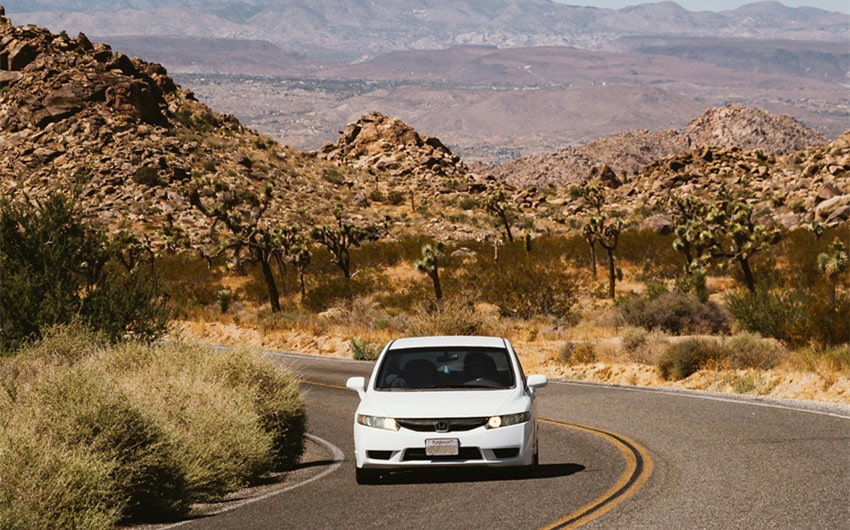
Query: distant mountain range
494	79
355	29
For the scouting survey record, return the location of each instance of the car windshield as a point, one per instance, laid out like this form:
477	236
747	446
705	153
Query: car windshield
446	368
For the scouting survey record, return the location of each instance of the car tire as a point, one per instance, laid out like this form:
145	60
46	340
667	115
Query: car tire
366	476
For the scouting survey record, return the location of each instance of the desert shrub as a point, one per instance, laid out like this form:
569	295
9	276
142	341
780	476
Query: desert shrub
128	305
55	270
525	286
364	350
216	428
329	292
189	280
456	317
333	176
396	197
800	248
577	353
826	360
93	434
750	350
147	176
673	312
276	398
683	358
287	319
48	486
653	252
794	316
82	408
642	346
633	339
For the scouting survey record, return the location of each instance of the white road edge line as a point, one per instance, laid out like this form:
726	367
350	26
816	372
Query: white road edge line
338	459
697	394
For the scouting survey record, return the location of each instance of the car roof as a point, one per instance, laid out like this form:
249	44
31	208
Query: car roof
465	341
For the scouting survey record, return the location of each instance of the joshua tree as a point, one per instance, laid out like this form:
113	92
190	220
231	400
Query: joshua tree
300	253
429	264
338	239
241	211
601	226
498	204
833	263
724	228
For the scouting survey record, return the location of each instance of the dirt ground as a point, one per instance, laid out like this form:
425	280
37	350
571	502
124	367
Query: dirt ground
541	356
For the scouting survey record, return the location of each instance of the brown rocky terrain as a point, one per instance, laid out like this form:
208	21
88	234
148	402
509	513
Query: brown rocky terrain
493	80
731	126
132	146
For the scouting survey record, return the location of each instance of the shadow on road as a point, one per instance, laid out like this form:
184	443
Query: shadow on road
444	475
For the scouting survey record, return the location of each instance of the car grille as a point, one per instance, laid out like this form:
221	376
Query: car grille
442	424
466	453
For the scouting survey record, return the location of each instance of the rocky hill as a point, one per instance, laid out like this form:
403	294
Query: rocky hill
131	146
732	126
137	151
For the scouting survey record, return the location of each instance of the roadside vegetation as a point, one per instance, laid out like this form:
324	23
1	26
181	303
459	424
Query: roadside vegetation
673	319
104	418
94	435
111	412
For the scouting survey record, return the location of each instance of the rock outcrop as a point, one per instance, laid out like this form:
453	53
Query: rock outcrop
628	152
132	148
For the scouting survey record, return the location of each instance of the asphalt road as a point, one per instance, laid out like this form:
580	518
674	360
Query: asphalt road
610	458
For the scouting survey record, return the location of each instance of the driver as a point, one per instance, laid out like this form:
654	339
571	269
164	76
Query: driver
478	365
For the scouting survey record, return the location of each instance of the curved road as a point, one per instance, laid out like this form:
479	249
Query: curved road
611	457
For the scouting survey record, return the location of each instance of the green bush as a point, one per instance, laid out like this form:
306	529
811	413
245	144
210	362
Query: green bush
683	358
675	313
56	269
365	350
794	316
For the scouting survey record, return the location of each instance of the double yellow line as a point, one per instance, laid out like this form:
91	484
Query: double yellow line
637	472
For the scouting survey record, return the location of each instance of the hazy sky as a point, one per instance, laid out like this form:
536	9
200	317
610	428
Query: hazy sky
715	5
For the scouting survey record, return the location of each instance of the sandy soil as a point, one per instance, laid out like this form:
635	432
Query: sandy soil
541	356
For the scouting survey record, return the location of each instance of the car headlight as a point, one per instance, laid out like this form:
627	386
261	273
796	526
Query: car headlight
377	422
508	419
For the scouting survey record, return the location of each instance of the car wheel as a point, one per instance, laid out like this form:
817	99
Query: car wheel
366	476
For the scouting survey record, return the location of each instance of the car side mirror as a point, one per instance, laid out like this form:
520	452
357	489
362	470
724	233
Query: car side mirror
357	384
536	381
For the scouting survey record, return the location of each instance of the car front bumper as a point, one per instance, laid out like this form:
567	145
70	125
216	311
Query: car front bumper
385	449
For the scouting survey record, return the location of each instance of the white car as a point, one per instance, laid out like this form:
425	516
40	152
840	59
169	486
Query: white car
446	402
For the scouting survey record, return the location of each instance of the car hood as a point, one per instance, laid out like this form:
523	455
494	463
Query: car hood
455	404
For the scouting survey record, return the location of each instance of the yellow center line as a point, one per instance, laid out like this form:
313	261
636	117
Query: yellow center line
637	472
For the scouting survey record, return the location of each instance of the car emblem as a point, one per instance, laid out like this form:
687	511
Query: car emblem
441	426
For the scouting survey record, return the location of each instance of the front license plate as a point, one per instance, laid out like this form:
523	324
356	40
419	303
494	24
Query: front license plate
442	447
